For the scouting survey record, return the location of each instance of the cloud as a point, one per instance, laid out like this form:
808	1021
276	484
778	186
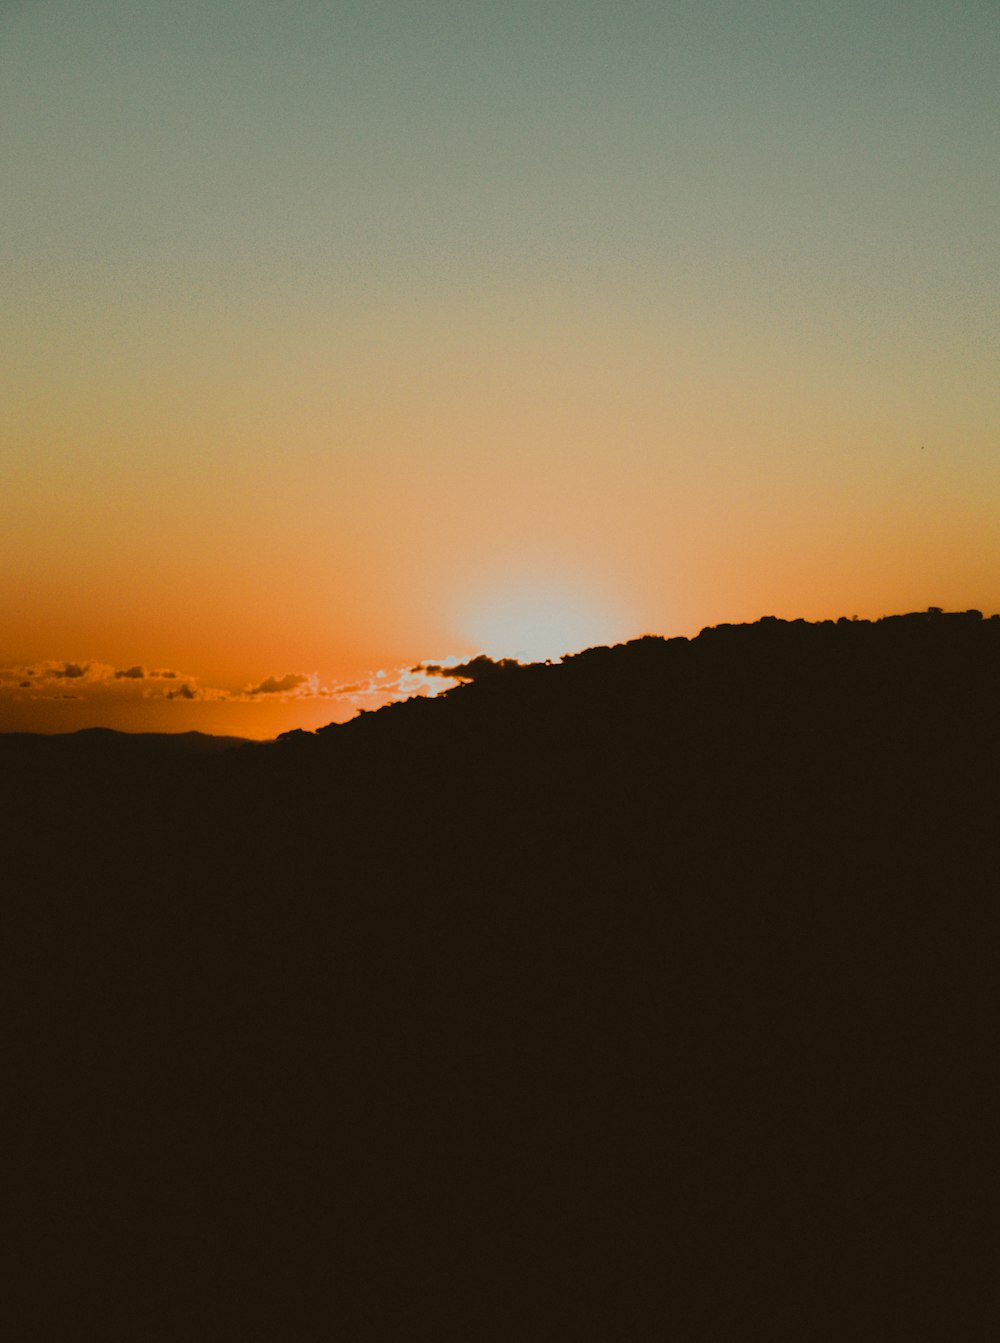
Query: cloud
48	680
293	683
183	692
140	673
472	670
89	672
189	690
46	677
99	682
387	686
154	674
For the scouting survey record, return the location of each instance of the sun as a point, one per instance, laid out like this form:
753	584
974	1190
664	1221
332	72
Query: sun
533	624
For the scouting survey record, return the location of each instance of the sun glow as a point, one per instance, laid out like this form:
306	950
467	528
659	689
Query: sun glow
533	625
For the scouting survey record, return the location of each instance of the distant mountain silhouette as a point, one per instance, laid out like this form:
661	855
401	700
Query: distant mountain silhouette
641	995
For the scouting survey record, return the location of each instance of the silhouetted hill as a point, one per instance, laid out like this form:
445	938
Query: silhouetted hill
100	746
644	994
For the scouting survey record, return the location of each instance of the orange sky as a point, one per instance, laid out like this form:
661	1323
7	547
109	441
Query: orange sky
340	342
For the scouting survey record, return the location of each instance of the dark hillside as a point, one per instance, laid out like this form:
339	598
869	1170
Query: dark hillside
644	995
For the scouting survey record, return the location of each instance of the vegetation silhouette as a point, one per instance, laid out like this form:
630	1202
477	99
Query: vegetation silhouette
647	991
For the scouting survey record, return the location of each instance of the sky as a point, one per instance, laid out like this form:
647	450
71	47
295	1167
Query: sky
339	337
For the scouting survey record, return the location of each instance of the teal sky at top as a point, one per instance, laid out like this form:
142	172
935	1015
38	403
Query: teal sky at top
347	145
796	190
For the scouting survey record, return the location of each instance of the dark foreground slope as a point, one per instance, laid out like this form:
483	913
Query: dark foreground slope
647	995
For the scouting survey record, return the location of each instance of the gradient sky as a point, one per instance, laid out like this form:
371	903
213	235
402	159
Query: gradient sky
341	336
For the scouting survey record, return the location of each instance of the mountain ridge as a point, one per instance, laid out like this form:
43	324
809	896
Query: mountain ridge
665	969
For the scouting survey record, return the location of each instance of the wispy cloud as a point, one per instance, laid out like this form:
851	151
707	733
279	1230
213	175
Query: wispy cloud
386	686
382	687
299	684
94	673
89	678
183	692
101	682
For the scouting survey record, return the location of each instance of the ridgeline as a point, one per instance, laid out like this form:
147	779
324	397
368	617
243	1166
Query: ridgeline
627	997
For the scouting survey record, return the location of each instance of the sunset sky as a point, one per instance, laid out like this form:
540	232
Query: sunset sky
344	335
